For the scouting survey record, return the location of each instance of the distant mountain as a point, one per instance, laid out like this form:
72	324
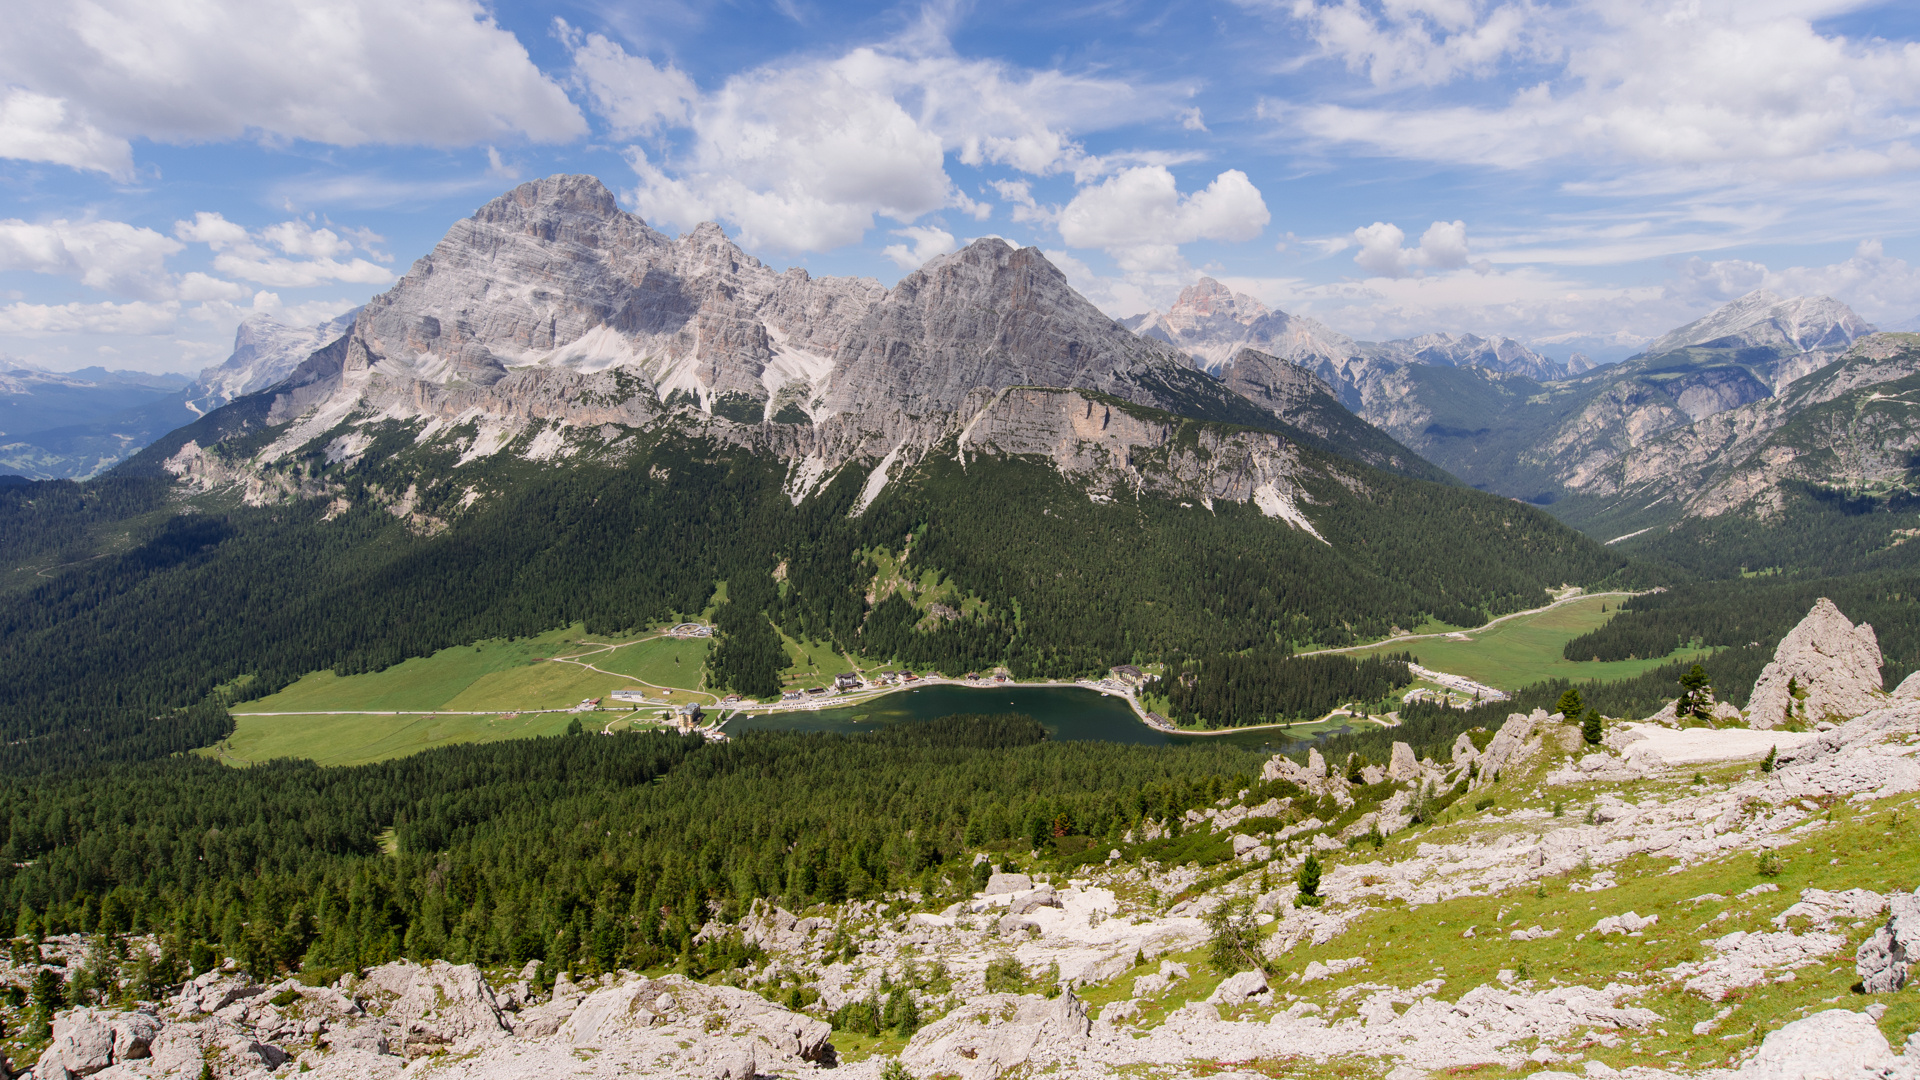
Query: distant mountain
75	423
1505	418
1212	323
265	351
562	415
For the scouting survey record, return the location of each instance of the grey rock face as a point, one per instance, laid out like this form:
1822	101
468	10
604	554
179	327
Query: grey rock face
551	306
1807	324
1831	427
265	351
1885	960
1824	667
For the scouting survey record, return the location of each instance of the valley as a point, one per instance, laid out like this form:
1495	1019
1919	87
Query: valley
310	759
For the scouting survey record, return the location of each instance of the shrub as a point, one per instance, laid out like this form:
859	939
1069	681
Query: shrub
1006	976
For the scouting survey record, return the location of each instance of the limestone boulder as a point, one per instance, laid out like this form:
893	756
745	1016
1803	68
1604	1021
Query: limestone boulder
1825	668
995	1033
1509	744
1909	688
82	1041
1837	1044
1403	766
438	1003
1002	884
1040	896
1885	960
1240	989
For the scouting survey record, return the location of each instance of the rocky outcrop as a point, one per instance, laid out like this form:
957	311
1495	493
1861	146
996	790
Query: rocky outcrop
993	1033
1885	960
1826	668
1837	1044
86	1041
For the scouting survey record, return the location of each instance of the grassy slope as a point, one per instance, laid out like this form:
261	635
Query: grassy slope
1527	650
1856	846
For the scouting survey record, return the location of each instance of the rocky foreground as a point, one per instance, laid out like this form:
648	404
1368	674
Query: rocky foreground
1707	901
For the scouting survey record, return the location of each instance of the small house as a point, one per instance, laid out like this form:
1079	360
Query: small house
846	680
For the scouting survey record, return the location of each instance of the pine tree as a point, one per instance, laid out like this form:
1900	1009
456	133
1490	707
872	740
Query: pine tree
1590	727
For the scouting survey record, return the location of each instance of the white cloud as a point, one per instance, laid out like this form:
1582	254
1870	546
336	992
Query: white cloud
1702	86
628	92
927	242
1882	289
35	127
111	256
137	317
195	285
800	161
805	157
1442	247
1426	42
315	252
225	313
1140	218
343	72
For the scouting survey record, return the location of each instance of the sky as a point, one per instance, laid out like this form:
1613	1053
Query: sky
1579	175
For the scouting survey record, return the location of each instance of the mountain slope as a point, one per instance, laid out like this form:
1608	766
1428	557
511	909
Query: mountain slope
552	307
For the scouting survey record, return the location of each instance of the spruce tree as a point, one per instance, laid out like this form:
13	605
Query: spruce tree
1309	881
1590	727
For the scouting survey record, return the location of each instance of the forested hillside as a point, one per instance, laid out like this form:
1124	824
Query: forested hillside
101	659
590	853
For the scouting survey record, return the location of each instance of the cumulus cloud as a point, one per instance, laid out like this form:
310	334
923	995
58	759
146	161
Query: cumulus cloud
1881	288
1442	247
111	256
137	317
632	95
927	242
1699	86
90	77
36	127
805	157
307	256
1140	218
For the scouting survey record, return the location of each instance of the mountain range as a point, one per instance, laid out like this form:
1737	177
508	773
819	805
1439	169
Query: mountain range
76	424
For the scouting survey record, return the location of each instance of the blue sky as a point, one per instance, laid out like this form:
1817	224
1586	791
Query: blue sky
1577	175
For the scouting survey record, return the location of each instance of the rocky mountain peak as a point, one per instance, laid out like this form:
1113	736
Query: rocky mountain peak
265	351
1806	323
551	196
1206	298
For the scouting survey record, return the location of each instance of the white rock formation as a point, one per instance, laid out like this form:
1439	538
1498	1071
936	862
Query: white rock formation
1825	668
1885	961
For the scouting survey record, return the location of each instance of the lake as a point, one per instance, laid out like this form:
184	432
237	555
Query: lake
1067	712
